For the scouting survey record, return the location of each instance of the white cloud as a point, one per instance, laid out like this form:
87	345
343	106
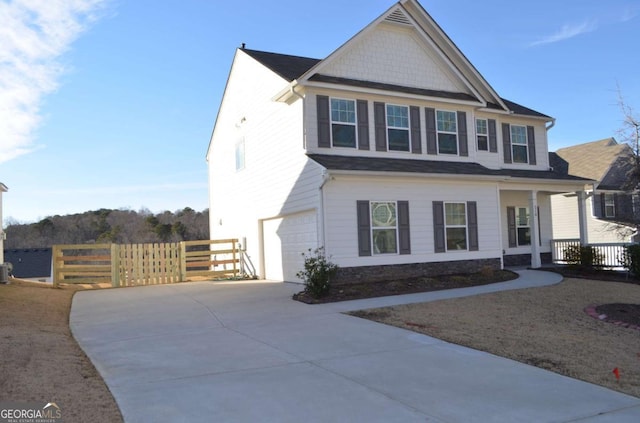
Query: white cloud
567	31
33	36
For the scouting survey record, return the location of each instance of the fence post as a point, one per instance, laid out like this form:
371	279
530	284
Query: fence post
182	259
55	252
115	265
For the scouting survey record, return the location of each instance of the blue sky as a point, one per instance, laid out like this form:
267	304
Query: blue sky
111	103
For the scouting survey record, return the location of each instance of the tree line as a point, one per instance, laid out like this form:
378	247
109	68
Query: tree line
109	226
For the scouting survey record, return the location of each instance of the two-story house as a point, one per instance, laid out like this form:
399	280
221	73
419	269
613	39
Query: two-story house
611	210
393	153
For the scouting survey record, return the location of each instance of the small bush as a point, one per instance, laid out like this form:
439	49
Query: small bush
317	273
630	259
583	256
487	272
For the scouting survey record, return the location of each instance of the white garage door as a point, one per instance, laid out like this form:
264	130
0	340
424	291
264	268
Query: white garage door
285	239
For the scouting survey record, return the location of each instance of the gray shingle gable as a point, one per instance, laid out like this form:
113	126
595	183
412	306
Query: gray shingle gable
292	67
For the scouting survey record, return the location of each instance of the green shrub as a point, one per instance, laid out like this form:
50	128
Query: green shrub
583	256
630	259
317	273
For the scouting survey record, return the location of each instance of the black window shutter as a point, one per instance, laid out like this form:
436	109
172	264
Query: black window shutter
531	139
364	229
506	142
416	138
511	227
438	227
363	124
598	205
472	223
432	141
463	143
379	117
404	234
324	121
493	136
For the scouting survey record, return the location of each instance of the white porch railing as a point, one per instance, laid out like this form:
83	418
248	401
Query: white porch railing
611	252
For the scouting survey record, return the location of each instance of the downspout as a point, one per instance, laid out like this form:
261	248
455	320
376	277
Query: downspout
321	228
553	123
295	93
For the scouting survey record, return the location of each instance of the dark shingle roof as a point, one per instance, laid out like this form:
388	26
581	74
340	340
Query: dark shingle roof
604	161
293	67
29	262
288	67
379	164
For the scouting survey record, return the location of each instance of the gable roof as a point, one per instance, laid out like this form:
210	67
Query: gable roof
375	164
604	161
292	68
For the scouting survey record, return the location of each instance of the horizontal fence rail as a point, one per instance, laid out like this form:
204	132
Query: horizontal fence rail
147	264
609	254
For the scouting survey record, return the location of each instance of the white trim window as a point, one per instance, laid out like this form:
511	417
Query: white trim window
398	127
384	227
519	144
609	205
455	222
523	226
482	134
239	153
343	122
447	131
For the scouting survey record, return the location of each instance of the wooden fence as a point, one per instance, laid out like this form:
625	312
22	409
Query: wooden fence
146	264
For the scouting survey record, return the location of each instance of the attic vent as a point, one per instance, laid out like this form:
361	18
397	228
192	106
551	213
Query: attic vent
398	17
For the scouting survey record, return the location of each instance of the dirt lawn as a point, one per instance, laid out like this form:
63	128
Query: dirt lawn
40	360
545	327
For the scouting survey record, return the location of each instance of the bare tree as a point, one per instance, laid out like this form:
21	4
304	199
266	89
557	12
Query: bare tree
629	133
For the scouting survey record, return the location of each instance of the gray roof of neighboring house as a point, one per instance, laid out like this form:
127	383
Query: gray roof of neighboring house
29	262
604	161
375	164
292	67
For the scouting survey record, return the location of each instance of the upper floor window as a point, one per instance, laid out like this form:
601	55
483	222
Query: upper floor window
398	128
482	134
609	205
519	144
343	122
455	220
239	154
447	130
384	225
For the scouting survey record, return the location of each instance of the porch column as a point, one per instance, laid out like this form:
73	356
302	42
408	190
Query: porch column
582	217
536	261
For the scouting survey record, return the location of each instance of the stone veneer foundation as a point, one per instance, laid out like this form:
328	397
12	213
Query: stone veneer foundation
348	275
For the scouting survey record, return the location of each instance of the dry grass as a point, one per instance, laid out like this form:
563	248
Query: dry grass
545	327
40	360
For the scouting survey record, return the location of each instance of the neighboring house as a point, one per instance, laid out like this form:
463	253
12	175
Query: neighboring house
3	188
608	208
29	262
393	153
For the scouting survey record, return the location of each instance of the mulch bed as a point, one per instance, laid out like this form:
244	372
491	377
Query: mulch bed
345	292
594	274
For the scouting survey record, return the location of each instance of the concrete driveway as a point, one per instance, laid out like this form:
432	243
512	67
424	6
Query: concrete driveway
245	352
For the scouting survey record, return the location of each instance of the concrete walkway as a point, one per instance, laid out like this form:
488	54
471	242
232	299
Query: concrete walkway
245	352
